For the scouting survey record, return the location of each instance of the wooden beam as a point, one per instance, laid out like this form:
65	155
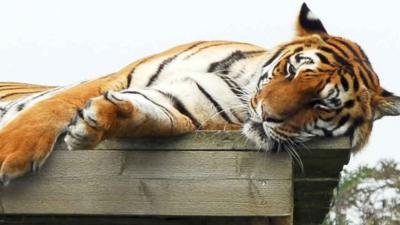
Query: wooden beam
214	141
199	178
155	183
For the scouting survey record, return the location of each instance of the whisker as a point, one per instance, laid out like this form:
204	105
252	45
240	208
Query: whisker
296	154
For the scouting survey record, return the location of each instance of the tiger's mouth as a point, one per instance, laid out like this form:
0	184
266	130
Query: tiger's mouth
272	138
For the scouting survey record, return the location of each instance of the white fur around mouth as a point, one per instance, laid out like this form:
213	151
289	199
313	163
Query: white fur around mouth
255	132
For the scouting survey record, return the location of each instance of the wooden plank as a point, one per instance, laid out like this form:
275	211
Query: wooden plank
210	140
127	196
168	165
96	220
142	220
155	183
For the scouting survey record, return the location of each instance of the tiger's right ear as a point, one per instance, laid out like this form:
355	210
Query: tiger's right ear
308	23
386	104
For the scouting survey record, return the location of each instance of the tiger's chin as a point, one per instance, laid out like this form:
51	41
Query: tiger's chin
255	132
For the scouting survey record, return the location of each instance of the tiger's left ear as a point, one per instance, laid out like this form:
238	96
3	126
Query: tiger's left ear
308	23
386	104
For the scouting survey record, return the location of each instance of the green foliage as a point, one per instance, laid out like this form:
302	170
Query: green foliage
367	196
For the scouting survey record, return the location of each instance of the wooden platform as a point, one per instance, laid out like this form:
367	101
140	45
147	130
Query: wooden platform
201	178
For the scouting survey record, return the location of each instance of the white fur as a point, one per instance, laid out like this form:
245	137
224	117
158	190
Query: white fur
312	16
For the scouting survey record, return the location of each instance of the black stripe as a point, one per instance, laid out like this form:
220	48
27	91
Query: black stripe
17	93
8	88
363	77
274	120
322	85
235	88
3	84
342	121
350	69
142	61
365	56
356	123
361	56
337	57
327	133
386	93
178	104
214	102
148	99
128	81
299	49
280	50
160	69
349	104
345	83
210	46
44	93
270	60
163	108
322	58
369	74
348	46
166	62
224	65
80	114
339	49
21	106
356	85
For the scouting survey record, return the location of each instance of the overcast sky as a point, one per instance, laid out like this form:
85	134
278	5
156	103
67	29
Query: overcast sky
62	42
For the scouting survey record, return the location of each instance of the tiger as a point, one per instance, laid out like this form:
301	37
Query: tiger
316	85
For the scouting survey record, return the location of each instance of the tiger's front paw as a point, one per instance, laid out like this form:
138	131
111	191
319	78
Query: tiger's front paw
23	149
98	118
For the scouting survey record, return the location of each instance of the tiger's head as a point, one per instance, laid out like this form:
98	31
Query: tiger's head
317	85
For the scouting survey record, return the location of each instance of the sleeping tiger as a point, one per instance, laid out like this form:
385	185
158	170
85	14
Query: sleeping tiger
316	85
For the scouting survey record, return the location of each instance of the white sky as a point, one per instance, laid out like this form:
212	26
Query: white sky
61	42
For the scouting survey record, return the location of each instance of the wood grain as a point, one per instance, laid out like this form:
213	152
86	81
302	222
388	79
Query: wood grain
199	178
155	183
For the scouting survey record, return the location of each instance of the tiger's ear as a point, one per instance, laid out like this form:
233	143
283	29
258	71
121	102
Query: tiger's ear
386	104
308	23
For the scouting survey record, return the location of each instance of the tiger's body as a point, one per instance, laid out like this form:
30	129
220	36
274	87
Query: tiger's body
206	81
315	85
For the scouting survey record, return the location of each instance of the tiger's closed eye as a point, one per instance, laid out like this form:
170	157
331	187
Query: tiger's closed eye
320	105
290	70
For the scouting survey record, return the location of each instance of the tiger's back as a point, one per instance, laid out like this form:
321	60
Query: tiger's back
222	72
211	80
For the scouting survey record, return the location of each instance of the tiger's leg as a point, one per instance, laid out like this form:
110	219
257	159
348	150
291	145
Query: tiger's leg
126	114
27	137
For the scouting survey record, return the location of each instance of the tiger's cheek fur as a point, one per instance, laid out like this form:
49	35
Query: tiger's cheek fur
363	121
282	98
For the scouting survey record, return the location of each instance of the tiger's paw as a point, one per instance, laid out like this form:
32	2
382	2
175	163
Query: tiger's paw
98	118
23	150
